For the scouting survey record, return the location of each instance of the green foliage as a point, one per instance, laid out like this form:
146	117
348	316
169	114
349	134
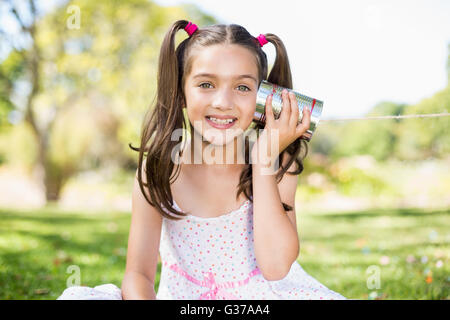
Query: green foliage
373	137
448	63
422	138
365	138
19	146
403	139
358	182
11	69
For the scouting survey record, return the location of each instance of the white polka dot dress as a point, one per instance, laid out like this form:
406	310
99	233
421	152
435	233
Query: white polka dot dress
213	258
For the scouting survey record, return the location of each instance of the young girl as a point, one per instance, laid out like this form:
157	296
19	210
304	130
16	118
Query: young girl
225	229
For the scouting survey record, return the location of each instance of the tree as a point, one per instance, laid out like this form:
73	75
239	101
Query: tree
422	138
374	137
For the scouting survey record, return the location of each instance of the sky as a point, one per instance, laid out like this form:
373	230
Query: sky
351	54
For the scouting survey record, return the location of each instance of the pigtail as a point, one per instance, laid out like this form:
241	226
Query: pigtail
157	129
281	70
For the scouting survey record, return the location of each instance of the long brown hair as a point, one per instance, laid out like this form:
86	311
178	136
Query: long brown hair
167	114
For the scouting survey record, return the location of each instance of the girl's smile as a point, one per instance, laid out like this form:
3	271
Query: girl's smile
223	122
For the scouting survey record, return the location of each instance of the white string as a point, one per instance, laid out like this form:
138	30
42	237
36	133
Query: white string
430	115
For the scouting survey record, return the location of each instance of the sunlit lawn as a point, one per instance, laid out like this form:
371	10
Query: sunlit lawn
408	249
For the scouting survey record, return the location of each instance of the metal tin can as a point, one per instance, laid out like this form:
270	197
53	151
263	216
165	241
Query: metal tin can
267	88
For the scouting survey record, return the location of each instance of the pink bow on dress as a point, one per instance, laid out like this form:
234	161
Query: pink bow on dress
217	289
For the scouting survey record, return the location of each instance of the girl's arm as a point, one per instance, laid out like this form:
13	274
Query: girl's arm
275	231
143	246
276	240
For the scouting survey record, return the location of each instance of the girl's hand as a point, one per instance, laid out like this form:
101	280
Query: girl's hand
284	129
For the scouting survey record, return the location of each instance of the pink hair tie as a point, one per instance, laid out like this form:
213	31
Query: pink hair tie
262	40
190	28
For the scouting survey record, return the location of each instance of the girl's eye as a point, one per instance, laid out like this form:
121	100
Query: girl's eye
201	85
248	89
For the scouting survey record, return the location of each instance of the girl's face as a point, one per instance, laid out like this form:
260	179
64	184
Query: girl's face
222	84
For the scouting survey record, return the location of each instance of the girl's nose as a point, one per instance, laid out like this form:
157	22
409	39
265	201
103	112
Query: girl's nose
223	100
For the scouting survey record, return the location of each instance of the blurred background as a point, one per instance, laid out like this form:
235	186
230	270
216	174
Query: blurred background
76	78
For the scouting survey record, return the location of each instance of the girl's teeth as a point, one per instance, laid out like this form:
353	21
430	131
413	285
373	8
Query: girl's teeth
221	121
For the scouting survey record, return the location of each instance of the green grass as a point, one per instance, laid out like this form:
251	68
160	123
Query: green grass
406	247
37	247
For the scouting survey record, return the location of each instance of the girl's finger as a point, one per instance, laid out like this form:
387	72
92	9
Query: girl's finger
306	121
294	110
268	111
286	107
